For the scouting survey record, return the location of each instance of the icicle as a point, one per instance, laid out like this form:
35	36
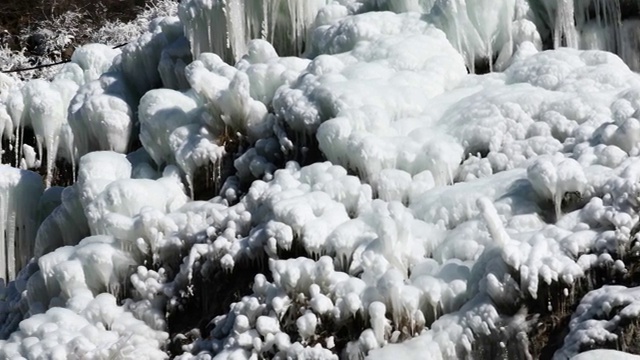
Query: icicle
67	136
272	15
295	18
3	239
598	23
52	146
564	25
284	24
189	177
494	224
630	43
237	28
20	191
18	144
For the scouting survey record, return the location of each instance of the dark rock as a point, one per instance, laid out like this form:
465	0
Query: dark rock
37	44
629	9
67	53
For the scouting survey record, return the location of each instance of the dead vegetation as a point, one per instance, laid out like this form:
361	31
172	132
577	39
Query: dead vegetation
47	31
18	15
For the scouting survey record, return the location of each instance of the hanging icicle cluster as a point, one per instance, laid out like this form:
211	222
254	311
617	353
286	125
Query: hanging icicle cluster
225	27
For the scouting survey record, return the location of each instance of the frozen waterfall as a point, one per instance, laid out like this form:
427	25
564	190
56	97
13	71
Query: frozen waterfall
328	179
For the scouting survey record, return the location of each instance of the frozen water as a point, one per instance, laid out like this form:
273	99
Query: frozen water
426	210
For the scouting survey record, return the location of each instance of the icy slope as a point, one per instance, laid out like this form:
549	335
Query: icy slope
369	199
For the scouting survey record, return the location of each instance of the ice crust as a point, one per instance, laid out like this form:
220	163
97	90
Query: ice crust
444	201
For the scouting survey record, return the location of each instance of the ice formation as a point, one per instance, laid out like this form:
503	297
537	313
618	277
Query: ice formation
371	198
